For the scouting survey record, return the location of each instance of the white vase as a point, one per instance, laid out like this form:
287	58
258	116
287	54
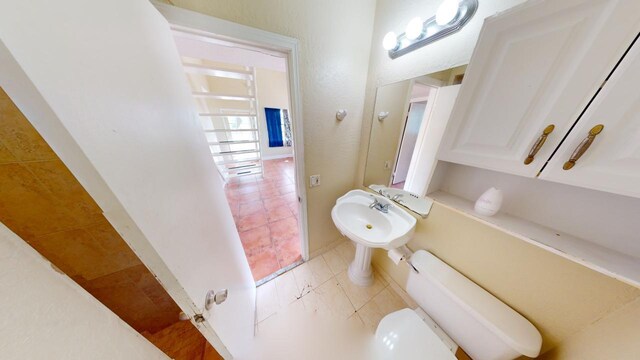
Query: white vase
489	203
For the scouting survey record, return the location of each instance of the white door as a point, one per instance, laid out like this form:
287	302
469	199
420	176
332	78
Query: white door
535	65
408	143
103	83
612	161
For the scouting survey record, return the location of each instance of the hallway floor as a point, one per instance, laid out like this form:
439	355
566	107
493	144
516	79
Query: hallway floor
265	210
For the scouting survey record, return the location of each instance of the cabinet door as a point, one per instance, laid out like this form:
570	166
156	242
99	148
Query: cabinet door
535	65
612	162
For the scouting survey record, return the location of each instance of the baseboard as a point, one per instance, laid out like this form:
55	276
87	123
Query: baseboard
274	157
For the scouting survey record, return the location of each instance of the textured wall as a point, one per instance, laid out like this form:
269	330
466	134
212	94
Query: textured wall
612	337
394	99
45	315
335	39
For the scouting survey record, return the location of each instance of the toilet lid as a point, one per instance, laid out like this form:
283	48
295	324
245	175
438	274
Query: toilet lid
403	335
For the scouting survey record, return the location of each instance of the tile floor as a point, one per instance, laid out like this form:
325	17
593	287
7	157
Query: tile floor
314	312
265	210
321	286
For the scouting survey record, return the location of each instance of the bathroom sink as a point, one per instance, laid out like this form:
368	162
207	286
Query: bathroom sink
371	221
370	227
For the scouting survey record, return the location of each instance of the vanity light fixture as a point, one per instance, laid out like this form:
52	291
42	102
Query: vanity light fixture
390	41
451	16
414	29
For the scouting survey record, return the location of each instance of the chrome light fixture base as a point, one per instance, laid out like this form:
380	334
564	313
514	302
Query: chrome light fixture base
433	32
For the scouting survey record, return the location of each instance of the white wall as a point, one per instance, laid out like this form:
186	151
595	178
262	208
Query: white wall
45	315
118	112
273	92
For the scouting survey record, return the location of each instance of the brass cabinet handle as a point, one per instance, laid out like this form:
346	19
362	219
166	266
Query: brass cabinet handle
538	145
583	147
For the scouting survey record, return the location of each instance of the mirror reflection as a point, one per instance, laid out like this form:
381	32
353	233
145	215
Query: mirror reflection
401	117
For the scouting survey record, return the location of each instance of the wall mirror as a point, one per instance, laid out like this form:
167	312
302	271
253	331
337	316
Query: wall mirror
409	118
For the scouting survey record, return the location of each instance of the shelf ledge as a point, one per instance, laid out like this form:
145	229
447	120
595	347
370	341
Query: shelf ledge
623	267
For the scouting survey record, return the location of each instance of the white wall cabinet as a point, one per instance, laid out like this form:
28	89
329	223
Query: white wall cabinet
540	64
612	162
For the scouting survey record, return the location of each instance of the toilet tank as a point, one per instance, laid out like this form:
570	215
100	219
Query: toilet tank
482	325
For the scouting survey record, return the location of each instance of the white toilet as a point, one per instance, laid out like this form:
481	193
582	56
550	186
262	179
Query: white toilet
457	309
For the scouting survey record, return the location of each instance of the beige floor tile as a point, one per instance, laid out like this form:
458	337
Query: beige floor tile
288	291
313	303
312	274
335	262
303	278
335	299
360	295
355	319
347	251
320	271
266	300
308	335
386	302
292	312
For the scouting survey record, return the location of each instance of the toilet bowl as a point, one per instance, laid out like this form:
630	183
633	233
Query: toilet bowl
404	335
459	313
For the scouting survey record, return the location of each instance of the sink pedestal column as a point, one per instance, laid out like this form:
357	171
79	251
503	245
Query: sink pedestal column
360	269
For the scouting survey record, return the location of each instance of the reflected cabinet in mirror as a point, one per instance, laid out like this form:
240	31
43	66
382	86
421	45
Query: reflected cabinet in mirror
409	119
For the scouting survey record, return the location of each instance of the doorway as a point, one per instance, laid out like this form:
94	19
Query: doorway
418	102
244	105
408	143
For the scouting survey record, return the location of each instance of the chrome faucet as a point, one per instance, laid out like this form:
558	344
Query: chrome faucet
397	197
384	208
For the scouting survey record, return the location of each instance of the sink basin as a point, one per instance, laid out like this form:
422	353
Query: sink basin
370	228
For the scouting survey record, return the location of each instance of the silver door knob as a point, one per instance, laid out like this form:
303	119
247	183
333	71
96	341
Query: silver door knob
215	297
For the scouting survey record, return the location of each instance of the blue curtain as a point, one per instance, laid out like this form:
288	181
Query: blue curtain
274	127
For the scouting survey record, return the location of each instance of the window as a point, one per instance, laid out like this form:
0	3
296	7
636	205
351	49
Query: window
278	127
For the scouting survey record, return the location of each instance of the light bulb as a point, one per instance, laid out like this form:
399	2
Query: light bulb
414	29
447	12
390	41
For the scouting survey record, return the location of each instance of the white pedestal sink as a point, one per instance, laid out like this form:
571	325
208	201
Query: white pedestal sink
370	228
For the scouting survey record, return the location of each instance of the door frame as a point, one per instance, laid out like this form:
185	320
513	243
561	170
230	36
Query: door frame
223	30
